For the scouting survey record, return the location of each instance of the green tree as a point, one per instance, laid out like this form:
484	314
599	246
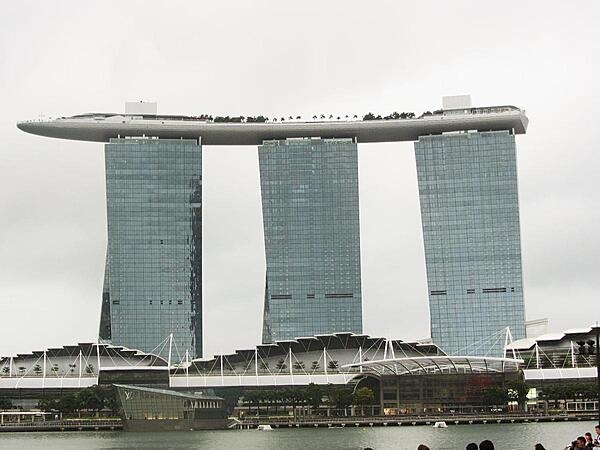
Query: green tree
68	404
90	399
314	396
333	365
339	398
281	365
495	396
299	365
37	369
369	116
517	391
362	397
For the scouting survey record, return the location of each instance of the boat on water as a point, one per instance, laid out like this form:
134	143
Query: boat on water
440	425
264	428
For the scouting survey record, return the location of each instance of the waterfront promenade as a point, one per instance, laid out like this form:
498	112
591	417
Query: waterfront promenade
394	421
64	425
313	422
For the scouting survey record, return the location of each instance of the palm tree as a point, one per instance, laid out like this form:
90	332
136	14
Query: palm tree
89	368
333	365
54	368
299	365
22	370
322	116
37	369
281	365
5	369
315	117
315	365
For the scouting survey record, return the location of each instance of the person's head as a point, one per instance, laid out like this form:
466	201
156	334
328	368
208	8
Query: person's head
580	442
598	429
422	447
539	447
471	446
588	437
486	445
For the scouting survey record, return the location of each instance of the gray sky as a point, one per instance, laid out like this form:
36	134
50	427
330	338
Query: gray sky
281	58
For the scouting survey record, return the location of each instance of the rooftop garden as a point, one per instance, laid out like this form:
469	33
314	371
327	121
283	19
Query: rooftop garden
317	117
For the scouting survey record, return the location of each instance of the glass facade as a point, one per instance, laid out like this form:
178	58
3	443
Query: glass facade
311	225
470	218
153	283
143	403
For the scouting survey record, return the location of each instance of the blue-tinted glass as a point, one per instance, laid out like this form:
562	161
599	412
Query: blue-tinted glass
153	283
311	223
470	217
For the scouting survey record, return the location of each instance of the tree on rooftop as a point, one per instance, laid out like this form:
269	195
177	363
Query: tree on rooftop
37	369
281	365
369	116
299	365
333	365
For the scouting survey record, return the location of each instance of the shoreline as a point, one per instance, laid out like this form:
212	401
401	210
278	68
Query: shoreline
316	422
395	421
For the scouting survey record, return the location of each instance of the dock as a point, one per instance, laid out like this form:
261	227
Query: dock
396	421
64	425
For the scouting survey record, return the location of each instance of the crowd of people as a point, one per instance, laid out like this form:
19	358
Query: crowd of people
586	441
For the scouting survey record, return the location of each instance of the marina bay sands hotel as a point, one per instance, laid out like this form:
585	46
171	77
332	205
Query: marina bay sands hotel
467	177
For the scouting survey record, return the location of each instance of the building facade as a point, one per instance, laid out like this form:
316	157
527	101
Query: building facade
470	218
310	208
153	280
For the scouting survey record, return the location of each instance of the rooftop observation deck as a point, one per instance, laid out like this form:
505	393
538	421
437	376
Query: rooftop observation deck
101	127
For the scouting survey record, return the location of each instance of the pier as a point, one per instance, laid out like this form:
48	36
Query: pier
64	425
395	421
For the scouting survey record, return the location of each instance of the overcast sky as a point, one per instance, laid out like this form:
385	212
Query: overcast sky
281	58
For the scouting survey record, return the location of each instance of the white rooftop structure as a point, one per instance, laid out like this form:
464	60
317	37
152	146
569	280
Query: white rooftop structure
101	127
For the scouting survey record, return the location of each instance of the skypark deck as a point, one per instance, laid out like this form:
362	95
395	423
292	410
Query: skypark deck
102	127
